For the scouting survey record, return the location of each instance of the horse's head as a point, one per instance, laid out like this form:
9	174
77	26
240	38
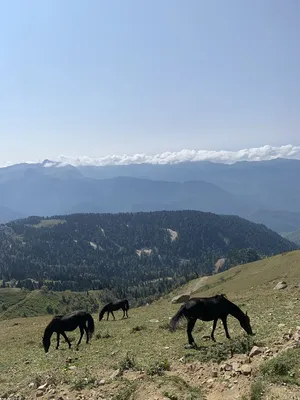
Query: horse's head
46	343
245	324
101	314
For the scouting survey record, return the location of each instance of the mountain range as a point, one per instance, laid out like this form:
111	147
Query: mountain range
266	191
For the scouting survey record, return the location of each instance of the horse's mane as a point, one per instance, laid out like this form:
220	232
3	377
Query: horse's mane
236	310
51	323
222	295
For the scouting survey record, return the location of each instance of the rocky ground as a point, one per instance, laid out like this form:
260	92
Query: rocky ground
228	380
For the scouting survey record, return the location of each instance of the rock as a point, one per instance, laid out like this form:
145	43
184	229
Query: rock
222	367
31	385
154	320
227	376
281	325
43	387
210	383
296	336
115	374
228	367
102	382
181	298
280	285
246	369
214	373
255	351
236	366
72	367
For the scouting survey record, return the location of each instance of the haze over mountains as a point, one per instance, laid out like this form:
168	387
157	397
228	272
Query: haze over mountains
266	191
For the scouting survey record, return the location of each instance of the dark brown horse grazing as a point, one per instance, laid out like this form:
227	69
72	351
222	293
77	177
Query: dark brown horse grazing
69	322
209	309
114	306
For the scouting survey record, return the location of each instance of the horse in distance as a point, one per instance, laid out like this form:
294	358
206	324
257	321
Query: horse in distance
210	309
114	306
69	322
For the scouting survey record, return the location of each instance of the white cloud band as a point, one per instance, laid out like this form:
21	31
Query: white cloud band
253	154
222	156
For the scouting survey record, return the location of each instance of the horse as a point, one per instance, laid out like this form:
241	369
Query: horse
69	322
114	306
209	309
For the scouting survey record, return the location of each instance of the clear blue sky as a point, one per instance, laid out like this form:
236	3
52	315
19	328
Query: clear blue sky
125	76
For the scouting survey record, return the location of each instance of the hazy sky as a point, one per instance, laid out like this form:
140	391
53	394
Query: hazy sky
96	78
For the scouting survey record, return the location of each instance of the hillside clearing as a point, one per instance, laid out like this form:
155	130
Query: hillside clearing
48	223
153	363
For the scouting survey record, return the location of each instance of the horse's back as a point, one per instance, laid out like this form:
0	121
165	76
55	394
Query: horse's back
74	315
206	308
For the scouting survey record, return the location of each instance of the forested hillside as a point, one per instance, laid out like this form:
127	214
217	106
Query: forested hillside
138	254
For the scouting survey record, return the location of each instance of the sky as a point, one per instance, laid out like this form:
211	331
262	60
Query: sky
101	79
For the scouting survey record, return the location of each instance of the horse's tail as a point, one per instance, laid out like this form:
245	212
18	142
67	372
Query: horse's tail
177	317
90	325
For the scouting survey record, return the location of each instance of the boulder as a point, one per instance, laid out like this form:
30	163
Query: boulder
255	351
181	298
246	369
280	285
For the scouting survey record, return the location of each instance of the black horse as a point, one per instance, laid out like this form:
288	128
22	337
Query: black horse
69	322
209	309
114	306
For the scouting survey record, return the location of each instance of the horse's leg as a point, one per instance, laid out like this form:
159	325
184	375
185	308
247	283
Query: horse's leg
66	339
224	320
87	333
57	341
107	315
81	335
190	327
213	330
123	313
113	315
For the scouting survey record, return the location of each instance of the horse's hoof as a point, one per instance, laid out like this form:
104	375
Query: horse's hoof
190	346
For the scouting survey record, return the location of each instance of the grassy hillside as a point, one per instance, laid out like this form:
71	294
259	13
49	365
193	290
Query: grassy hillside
16	302
153	362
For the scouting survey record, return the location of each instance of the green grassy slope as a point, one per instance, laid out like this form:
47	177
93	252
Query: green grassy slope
146	339
22	303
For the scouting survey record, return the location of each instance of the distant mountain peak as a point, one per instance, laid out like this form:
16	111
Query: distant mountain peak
49	163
